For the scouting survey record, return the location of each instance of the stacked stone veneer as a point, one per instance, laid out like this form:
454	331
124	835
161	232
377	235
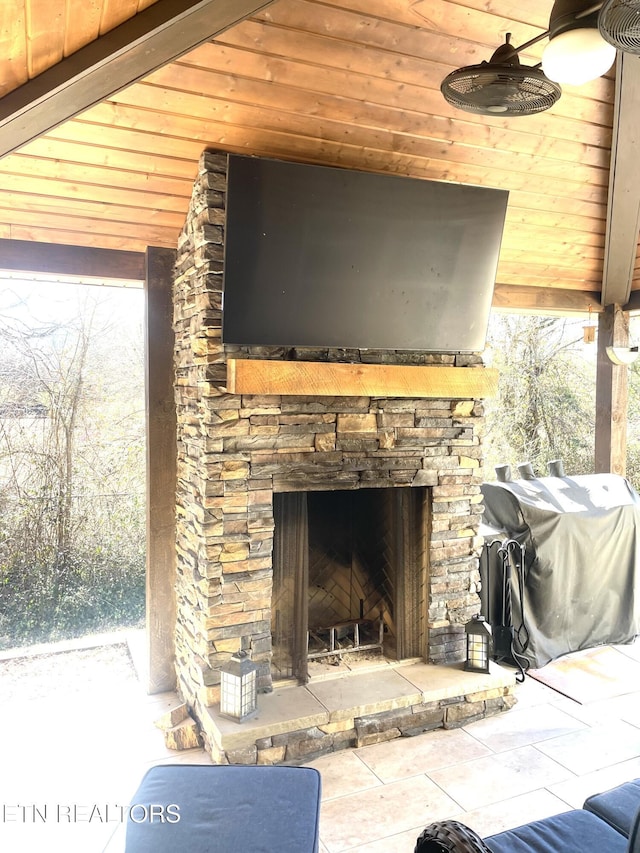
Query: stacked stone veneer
234	452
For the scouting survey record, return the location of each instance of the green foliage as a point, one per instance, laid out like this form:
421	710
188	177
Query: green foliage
82	594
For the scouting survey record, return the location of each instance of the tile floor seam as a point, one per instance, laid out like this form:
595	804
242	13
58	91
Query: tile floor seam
370	769
567	710
560	797
555	761
450	796
481	743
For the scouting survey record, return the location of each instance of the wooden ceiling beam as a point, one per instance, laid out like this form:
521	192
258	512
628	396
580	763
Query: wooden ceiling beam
544	300
623	212
159	34
24	256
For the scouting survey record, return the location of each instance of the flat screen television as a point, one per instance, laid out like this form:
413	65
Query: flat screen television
317	256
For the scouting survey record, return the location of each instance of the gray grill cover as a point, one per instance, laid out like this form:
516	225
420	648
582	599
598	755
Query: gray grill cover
582	555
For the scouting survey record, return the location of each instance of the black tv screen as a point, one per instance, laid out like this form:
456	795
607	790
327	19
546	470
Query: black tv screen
324	257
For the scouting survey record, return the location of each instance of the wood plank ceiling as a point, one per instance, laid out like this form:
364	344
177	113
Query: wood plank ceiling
353	83
37	34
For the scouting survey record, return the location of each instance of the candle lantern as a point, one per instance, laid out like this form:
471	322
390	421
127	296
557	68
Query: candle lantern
479	642
238	687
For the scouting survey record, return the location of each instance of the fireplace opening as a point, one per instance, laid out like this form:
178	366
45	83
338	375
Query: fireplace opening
349	576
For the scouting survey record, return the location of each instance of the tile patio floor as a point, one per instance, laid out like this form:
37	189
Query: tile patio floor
76	732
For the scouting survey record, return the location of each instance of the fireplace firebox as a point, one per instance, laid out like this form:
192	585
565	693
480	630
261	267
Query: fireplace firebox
349	575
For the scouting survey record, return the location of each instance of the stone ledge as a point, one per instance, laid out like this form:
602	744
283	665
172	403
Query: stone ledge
444	682
297	724
285	710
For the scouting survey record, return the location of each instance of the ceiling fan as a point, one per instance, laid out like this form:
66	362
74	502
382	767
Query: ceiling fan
583	38
619	24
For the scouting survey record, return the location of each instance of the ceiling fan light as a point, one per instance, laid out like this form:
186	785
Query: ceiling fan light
577	56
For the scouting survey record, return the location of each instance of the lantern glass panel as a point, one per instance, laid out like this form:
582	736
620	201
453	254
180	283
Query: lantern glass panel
238	689
477	652
479	638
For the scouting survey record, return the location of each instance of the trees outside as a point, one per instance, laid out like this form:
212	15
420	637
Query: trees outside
72	479
545	408
633	420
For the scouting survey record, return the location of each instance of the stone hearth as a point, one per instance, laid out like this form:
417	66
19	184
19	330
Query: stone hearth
235	452
368	705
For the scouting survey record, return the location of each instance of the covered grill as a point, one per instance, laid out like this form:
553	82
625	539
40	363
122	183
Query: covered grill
577	588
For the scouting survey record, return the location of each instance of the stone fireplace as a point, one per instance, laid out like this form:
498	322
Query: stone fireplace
306	520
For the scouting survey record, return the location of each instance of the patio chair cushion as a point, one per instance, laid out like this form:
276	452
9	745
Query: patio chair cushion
196	808
634	835
617	806
570	832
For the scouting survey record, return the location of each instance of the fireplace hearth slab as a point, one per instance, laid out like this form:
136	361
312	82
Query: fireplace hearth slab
446	682
284	710
367	693
348	665
297	724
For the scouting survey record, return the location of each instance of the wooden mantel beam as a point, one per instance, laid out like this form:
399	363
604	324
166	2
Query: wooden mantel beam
257	376
149	40
623	211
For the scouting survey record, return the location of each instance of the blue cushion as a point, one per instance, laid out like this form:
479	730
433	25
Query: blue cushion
617	806
182	808
571	832
634	834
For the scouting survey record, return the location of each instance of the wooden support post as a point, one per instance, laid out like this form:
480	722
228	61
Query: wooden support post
611	394
161	470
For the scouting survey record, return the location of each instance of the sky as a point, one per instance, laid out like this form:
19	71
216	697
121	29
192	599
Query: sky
39	303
